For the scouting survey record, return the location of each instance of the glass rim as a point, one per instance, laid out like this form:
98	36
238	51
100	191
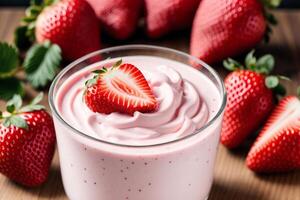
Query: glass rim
134	47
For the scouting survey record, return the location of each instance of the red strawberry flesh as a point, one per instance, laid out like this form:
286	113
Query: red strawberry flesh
277	148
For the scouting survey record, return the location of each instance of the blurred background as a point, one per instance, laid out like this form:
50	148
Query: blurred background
285	4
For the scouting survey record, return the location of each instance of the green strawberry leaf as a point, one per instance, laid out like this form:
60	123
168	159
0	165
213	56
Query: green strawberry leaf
284	78
30	108
33	11
9	87
33	104
265	64
91	81
231	64
272	3
41	63
116	64
37	99
279	90
35	2
16	121
250	59
6	122
49	2
298	91
21	40
97	71
8	60
272	82
271	18
14	104
25	34
10	108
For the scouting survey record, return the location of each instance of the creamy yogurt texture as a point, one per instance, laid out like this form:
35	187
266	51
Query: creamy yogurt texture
182	108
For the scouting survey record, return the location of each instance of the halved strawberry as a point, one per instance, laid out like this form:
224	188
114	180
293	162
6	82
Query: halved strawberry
121	88
277	148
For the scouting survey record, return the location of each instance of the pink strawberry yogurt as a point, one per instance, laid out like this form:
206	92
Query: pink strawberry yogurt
120	157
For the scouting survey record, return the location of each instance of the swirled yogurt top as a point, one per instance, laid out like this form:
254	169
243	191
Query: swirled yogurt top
187	101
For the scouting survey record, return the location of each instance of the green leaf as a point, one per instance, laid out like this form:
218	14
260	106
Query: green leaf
90	82
37	99
10	108
30	108
271	19
31	15
18	121
119	62
35	2
98	71
250	59
273	3
29	19
33	10
16	102
298	91
41	63
265	64
21	40
30	33
272	82
284	78
49	2
6	122
279	90
231	64
9	87
8	60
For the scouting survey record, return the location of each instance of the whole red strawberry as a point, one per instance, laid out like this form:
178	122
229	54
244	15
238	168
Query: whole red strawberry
164	16
120	88
277	147
119	17
224	28
71	24
27	142
250	98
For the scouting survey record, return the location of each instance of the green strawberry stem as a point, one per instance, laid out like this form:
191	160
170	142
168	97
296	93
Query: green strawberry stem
14	108
262	65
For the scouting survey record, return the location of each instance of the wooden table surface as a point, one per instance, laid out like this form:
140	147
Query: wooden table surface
232	180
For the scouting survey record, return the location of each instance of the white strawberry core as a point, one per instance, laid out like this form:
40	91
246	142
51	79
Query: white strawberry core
126	86
284	119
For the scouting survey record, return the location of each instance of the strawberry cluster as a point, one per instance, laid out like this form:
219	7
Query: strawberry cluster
53	31
74	25
251	102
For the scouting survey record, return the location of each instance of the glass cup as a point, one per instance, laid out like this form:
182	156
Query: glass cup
94	169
